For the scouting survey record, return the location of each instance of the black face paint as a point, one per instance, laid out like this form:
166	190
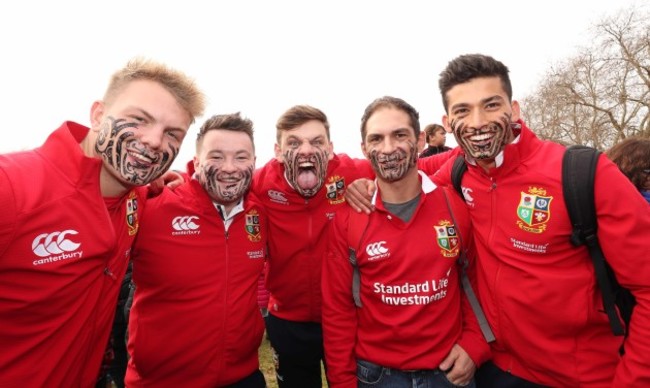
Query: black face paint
485	142
225	187
394	166
119	148
306	173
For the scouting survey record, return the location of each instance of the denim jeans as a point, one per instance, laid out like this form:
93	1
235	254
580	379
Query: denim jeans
376	376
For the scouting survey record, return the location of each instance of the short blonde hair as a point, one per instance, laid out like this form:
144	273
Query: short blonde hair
183	88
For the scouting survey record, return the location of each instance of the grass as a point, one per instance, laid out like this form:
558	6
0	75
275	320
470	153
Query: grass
267	365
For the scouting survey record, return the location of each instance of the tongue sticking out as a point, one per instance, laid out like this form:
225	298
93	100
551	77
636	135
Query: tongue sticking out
307	179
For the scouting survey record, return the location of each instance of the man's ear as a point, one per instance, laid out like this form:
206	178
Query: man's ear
330	151
278	153
363	150
196	163
516	111
421	141
445	123
96	114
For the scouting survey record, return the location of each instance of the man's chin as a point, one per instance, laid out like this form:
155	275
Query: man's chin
308	191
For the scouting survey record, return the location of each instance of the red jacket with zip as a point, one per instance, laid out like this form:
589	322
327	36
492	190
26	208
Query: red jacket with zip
297	230
538	291
63	253
195	321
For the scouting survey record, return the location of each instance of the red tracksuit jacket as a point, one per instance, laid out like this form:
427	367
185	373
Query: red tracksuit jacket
538	291
63	255
195	321
298	231
414	310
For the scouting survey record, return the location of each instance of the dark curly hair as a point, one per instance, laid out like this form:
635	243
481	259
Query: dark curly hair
632	156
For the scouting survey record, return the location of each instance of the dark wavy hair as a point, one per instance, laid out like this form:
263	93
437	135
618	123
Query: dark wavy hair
632	156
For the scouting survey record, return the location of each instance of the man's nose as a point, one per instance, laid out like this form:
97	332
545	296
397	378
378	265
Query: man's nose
152	136
477	119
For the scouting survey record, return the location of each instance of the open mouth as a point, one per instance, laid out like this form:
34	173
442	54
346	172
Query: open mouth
481	141
141	160
230	184
389	166
307	178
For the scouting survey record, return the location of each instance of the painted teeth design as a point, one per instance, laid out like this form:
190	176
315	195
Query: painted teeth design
141	157
484	136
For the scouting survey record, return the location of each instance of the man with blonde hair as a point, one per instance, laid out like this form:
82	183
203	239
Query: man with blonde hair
70	214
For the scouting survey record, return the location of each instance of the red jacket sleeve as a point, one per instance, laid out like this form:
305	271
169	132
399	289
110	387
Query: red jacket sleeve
624	235
339	311
472	339
433	163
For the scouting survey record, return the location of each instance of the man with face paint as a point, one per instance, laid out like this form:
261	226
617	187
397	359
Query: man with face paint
408	273
301	190
195	321
69	216
538	291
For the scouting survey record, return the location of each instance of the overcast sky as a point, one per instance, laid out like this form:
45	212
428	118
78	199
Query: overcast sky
262	57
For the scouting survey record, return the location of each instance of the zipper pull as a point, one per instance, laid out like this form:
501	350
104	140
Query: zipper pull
108	272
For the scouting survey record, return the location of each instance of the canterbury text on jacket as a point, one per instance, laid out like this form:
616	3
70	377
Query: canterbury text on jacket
414	310
195	321
62	259
298	229
538	291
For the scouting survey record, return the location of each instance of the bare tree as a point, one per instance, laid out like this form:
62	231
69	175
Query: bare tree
602	94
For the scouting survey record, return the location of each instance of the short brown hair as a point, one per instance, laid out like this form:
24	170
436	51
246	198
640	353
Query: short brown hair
297	116
390	102
229	122
431	130
632	156
183	88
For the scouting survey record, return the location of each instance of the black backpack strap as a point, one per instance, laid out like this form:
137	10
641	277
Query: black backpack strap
357	224
463	262
457	171
578	176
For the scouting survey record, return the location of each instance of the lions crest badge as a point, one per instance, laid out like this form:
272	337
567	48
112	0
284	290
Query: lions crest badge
132	213
334	189
447	238
534	210
253	228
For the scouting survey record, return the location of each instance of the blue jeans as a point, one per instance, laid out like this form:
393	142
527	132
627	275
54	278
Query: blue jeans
375	376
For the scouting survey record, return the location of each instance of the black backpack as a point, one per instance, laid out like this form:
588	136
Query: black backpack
578	175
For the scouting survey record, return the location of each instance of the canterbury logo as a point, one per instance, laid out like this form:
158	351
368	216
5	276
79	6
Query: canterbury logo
277	196
467	193
376	249
185	223
47	244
